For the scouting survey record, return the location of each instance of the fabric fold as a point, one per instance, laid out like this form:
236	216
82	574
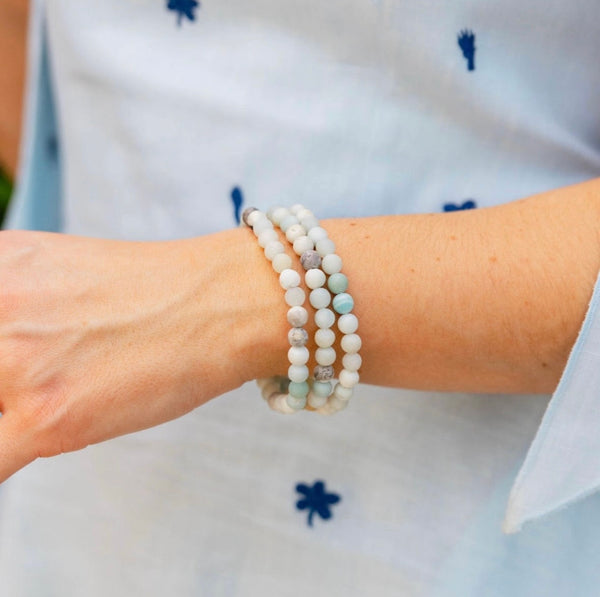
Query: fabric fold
562	465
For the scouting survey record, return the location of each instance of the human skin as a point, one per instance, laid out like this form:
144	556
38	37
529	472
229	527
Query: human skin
13	26
100	338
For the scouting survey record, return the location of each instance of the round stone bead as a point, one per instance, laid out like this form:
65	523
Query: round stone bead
343	393
298	389
272	210
317	233
332	263
303	244
246	216
324	318
325	356
294	297
289	278
266	236
294	232
320	298
279	403
315	278
310	259
352	362
348	323
348	379
261	225
281	261
297	317
322	388
343	303
325	247
297	373
296	402
351	343
323	372
278	214
296	208
325	337
315	401
273	248
298	337
309	222
288	221
337	283
304	213
298	355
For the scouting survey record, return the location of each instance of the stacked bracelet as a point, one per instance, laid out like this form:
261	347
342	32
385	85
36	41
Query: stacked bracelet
324	279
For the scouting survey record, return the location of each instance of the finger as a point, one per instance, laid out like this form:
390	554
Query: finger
16	446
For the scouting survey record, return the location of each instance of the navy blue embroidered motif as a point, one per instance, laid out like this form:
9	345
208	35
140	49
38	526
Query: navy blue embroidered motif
184	8
238	200
468	204
316	499
466	42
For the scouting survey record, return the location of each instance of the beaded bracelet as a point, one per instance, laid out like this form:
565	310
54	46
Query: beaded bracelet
321	263
294	393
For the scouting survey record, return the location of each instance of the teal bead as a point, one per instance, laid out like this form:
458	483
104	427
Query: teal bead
337	283
295	402
298	389
321	388
343	303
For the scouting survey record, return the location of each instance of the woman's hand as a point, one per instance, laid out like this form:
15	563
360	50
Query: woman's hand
101	338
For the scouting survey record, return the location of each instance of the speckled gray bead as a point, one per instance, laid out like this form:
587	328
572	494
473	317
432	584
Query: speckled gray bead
298	337
310	260
323	373
297	317
246	213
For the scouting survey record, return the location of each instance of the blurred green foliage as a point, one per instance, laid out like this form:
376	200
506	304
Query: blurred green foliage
5	193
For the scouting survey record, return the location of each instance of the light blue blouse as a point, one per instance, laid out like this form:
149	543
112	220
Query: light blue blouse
555	556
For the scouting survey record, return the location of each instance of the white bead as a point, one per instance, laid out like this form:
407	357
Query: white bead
332	264
298	373
289	278
278	214
261	225
294	297
325	356
295	231
324	318
342	393
325	338
320	298
298	355
297	316
304	213
288	221
281	262
278	402
315	401
325	247
272	210
254	217
296	208
266	236
317	233
315	278
348	379
351	343
302	244
268	386
309	222
352	362
273	248
348	323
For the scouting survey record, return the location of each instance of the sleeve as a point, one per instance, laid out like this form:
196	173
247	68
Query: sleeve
35	204
562	465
